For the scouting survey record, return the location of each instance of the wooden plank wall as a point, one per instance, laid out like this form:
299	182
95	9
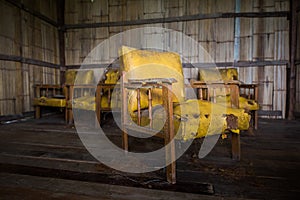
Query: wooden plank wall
260	38
297	107
24	35
266	39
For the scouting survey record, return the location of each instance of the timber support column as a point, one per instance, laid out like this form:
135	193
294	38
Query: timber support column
61	38
292	65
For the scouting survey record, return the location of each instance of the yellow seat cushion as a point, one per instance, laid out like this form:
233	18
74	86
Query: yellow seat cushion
244	103
52	102
211	120
85	103
89	103
197	118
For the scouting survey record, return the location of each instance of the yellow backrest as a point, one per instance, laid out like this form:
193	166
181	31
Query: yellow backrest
211	75
145	64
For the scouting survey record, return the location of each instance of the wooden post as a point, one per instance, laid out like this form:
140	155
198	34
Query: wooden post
61	38
169	134
293	47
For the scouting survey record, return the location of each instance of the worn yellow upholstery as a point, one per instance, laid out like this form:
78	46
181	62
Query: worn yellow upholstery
70	76
88	102
51	102
228	74
145	64
112	76
216	75
197	118
244	103
85	103
192	118
83	77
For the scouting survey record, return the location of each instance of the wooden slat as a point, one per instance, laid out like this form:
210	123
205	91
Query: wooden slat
177	19
260	63
50	144
28	61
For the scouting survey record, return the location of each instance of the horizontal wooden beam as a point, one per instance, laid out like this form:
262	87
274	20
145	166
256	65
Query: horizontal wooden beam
37	14
29	61
177	19
197	65
238	64
270	113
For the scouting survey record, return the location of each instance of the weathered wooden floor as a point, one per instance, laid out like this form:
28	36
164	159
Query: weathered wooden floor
46	159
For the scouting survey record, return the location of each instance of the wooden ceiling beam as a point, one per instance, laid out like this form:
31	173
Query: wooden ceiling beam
29	61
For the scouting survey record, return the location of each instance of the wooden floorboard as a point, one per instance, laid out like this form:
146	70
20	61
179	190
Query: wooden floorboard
32	187
269	168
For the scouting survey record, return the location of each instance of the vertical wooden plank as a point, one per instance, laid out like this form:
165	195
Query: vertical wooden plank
1	88
61	38
292	75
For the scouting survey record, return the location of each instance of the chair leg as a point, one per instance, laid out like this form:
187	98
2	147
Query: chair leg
255	120
171	168
236	146
37	112
66	115
70	116
125	140
98	118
